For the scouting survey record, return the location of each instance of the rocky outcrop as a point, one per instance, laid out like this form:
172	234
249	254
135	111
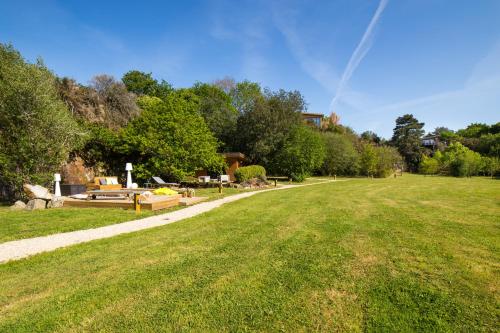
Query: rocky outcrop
18	205
75	172
37	192
35	204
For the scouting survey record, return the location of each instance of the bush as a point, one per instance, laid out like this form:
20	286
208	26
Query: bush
387	158
429	166
341	158
460	161
302	154
248	172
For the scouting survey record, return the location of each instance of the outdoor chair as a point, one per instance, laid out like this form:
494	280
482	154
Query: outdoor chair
158	182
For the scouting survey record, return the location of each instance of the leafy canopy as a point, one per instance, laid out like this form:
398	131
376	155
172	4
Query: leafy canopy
170	138
37	132
407	138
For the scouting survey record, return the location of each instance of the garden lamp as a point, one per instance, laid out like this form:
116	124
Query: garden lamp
128	168
57	180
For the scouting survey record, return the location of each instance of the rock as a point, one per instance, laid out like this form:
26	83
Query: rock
18	205
36	204
56	202
37	192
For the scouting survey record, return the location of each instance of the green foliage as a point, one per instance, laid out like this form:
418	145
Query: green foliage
37	132
141	83
429	165
474	130
218	112
406	138
368	160
266	122
387	159
248	172
302	154
490	166
341	157
459	161
120	105
170	138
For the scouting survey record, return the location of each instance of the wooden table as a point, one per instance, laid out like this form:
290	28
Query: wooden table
128	192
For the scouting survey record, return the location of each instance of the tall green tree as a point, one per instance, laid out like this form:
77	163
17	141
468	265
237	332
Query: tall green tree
407	138
302	154
141	83
219	114
368	160
170	138
37	132
341	157
266	122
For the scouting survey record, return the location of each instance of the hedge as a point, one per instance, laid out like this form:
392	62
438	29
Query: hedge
248	172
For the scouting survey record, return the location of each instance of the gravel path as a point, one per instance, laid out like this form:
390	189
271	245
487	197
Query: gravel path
26	247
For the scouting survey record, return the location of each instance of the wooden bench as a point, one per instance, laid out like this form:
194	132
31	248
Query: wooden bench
276	178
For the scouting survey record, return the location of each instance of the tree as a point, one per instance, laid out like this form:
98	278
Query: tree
226	84
302	154
266	121
37	132
119	103
407	138
141	83
218	112
491	166
368	160
387	159
429	165
170	138
460	161
341	158
371	137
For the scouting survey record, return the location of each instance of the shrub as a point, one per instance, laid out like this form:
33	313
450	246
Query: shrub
429	165
460	161
248	172
341	158
302	154
368	160
387	158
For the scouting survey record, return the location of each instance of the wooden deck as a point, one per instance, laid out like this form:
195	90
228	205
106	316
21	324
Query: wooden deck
156	202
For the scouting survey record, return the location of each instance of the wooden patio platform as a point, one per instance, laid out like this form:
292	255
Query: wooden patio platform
156	202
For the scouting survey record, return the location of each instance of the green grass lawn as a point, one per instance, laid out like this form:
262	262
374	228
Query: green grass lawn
24	224
407	254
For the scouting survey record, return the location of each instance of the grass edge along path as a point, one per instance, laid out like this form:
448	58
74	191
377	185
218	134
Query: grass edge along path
18	249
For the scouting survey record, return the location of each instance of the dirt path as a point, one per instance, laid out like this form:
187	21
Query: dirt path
26	247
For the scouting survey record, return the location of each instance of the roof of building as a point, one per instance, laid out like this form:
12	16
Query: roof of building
234	155
307	114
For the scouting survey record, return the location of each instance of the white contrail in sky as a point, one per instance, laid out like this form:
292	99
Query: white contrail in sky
358	54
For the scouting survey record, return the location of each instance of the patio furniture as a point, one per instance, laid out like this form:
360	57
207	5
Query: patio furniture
104	183
158	182
276	178
72	189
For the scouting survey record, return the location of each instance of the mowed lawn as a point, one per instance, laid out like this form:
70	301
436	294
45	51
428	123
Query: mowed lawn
409	254
15	224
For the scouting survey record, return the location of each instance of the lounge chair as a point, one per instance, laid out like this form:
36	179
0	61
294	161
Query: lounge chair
158	182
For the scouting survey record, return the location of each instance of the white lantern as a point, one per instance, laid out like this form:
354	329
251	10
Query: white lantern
128	168
57	180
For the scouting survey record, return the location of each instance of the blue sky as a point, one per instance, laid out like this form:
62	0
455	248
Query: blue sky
369	61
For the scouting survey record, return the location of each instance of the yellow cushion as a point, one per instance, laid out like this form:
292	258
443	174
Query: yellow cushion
164	191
